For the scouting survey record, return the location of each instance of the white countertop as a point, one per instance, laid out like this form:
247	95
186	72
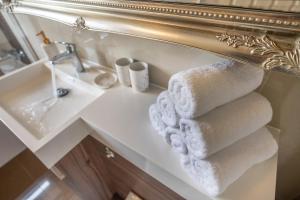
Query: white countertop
122	114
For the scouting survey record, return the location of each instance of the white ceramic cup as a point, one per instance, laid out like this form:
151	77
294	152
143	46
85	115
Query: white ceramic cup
139	76
122	68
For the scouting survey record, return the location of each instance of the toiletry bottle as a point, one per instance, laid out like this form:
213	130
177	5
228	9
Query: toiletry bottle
49	48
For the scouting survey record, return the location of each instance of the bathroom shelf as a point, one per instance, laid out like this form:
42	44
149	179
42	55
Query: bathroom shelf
122	115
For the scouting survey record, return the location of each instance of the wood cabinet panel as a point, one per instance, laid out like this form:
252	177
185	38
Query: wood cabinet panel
89	171
126	177
83	176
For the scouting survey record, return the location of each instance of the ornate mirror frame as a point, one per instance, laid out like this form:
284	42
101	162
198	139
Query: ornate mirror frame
268	39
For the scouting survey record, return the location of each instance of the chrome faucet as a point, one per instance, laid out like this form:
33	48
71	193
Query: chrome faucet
70	53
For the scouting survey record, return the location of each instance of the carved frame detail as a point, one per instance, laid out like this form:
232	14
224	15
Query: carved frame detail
264	46
199	11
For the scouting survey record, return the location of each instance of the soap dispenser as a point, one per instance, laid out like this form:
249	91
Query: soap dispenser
49	48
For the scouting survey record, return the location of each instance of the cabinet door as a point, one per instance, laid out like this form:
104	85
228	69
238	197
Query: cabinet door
126	177
96	173
86	176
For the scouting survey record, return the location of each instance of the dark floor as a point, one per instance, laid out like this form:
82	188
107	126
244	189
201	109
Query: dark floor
49	187
26	178
19	174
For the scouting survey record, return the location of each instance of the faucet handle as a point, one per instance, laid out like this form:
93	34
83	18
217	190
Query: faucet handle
70	47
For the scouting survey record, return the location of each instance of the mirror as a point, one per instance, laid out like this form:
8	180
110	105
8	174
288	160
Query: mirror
13	53
276	5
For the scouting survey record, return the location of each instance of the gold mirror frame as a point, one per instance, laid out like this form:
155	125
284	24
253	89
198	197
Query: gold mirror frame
268	39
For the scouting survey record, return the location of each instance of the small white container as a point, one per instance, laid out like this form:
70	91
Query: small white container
122	68
139	76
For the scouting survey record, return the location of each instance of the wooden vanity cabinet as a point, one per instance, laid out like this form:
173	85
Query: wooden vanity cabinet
96	173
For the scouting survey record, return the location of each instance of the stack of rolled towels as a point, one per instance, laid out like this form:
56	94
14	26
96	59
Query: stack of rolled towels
212	117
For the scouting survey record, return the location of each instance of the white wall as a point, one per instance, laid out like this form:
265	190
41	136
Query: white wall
4	44
164	59
10	145
282	90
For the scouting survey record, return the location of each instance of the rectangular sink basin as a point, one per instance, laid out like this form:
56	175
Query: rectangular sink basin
29	108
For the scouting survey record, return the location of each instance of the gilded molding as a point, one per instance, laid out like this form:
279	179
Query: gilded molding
288	60
200	12
191	25
193	11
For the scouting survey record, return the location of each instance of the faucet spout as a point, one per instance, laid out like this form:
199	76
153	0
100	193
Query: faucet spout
69	54
60	58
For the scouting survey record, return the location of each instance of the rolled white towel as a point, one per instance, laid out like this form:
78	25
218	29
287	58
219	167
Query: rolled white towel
156	121
175	138
167	109
199	90
226	124
221	169
185	162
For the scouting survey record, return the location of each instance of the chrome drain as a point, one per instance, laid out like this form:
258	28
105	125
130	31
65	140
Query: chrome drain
61	92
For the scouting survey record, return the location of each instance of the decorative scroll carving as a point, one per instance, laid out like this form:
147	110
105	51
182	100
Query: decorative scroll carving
79	25
264	46
8	5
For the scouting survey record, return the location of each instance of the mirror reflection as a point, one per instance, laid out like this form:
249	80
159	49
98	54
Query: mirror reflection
12	54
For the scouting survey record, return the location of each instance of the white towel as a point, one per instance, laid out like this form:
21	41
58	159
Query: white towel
221	169
167	109
199	90
226	124
156	121
185	162
175	138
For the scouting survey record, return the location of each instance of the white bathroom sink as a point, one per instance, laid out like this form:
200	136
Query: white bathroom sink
29	109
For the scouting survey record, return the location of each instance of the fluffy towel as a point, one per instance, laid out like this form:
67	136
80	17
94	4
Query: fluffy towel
221	169
199	90
226	124
156	121
175	138
185	161
167	109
